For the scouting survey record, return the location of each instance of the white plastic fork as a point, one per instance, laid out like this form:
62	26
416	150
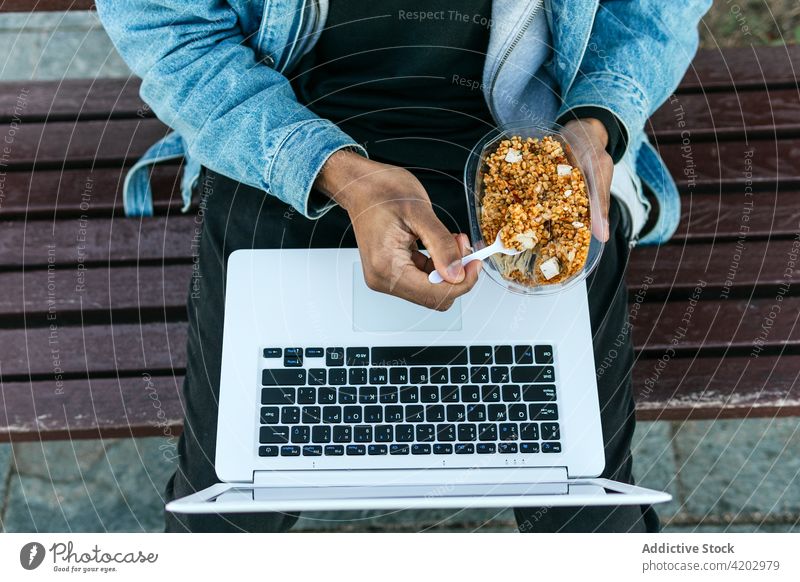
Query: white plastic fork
496	247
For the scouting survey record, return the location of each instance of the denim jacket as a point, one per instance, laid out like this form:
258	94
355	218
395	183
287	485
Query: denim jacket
216	71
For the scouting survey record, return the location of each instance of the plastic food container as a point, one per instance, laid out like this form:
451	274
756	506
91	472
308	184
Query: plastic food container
473	183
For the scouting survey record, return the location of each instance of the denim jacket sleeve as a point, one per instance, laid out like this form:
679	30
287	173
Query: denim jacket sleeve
235	114
637	54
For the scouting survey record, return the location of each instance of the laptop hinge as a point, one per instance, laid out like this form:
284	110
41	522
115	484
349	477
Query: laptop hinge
392	477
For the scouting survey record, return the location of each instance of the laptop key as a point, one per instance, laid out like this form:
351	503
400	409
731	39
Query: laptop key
415	413
550	431
331	414
434	413
384	433
529	431
337	377
268	451
404	433
470	393
356	450
538	392
293	352
352	414
500	375
292	361
456	413
509	431
358	356
311	415
487	431
486	448
273	352
523	354
378	376
529	447
517	412
442	449
511	393
368	394
429	394
269	414
503	355
426	433
420	449
479	375
497	412
398	449
450	393
398	375
394	413
476	412
481	354
439	376
274	434
320	434
334	357
357	376
507	447
306	395
459	375
490	393
277	396
301	434
467	432
387	394
290	415
342	434
326	395
446	432
543	411
409	394
551	447
312	451
465	448
528	374
362	434
421	356
290	451
419	376
348	395
377	449
334	450
315	352
544	354
373	414
283	377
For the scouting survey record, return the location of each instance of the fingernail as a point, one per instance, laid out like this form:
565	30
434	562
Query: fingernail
456	271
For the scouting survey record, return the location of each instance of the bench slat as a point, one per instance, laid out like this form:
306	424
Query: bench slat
743	68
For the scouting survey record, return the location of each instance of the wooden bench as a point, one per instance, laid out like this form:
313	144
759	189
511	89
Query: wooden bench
92	309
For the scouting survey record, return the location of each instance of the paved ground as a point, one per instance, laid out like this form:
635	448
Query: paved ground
724	475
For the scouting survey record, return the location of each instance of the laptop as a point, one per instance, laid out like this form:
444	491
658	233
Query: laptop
336	397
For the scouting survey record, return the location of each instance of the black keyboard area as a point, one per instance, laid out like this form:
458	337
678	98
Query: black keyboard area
437	400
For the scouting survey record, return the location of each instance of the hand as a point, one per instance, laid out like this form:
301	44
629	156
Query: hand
588	139
390	212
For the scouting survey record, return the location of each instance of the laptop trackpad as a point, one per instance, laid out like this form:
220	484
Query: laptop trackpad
374	312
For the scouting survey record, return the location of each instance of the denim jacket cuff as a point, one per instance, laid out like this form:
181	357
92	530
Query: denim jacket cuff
299	159
618	94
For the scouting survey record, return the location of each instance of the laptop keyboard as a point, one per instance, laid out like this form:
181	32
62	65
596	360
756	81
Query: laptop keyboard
438	400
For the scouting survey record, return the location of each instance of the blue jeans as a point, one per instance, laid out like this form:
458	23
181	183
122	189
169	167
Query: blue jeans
238	216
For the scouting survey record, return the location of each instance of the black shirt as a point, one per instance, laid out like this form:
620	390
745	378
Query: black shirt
403	78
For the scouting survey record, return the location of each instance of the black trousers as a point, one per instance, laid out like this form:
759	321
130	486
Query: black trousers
236	216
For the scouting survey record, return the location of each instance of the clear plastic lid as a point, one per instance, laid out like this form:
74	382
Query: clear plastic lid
497	266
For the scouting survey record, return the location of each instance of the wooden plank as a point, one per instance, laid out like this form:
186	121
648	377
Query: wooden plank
728	116
80	351
143	405
69	99
705	388
45	5
87	191
743	68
